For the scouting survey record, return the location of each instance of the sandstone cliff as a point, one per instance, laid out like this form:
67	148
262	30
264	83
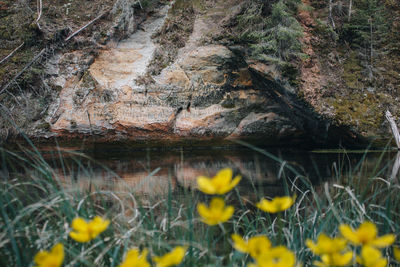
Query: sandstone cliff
162	73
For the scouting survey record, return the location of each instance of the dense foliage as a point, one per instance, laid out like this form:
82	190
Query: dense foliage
272	30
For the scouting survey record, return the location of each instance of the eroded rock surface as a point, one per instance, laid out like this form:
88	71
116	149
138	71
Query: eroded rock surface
209	91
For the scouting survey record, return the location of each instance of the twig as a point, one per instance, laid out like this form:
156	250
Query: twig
90	122
330	15
39	10
350	6
23	70
12	53
84	27
393	126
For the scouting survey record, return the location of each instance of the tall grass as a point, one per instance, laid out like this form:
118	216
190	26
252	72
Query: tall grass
36	209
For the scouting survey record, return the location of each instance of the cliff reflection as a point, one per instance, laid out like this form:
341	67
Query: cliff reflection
155	172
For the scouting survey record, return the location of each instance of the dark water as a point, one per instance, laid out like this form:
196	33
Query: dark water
156	171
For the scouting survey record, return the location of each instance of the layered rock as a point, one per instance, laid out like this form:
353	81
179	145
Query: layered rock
210	91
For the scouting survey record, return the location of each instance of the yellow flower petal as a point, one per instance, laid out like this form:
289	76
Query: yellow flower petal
80	236
135	258
83	231
239	243
54	258
217	203
343	259
367	232
383	241
366	235
285	202
278	256
232	185
216	213
277	204
255	246
265	205
320	264
227	213
396	253
40	257
224	176
203	210
205	185
79	224
348	233
312	246
258	245
371	257
97	226
337	259
380	263
326	245
220	184
172	258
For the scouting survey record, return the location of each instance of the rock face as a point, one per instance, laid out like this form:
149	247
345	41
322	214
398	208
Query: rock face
209	91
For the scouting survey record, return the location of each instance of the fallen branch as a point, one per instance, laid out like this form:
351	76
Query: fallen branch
396	167
12	53
84	27
393	126
23	70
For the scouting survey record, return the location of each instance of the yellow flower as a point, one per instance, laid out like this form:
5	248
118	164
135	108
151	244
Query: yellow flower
54	258
396	253
172	258
277	204
278	256
85	231
335	259
219	184
326	245
216	213
371	257
366	234
254	246
135	259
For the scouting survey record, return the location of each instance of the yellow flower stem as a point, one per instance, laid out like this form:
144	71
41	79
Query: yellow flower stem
280	230
226	237
222	229
210	235
191	234
268	219
169	203
216	236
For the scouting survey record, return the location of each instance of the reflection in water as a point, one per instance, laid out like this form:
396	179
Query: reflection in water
155	172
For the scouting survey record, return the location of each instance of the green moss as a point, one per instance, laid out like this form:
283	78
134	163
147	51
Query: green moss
352	72
291	73
44	126
324	29
361	111
228	102
88	82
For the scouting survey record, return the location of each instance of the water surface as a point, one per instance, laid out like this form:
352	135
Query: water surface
156	171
